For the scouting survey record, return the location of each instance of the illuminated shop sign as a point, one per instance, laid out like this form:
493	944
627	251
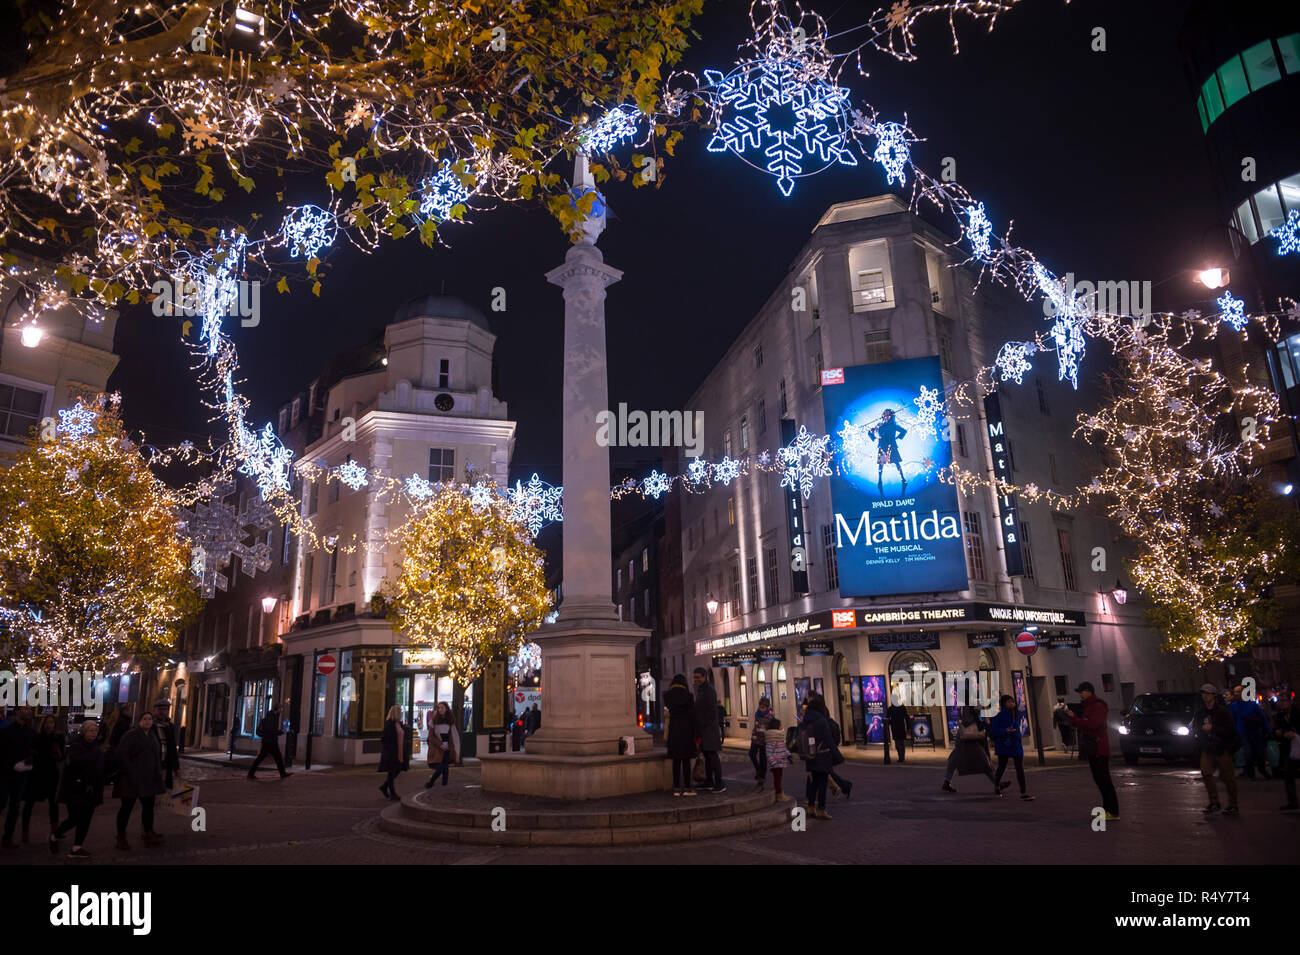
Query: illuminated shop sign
1008	511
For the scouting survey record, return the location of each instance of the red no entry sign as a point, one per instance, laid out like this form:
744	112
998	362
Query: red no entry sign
326	664
1027	643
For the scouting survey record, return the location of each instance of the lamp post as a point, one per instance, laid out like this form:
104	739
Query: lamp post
32	333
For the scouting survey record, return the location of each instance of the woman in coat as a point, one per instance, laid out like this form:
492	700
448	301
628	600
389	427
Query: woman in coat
683	730
138	758
82	788
43	783
706	712
392	756
815	729
970	756
1004	730
444	743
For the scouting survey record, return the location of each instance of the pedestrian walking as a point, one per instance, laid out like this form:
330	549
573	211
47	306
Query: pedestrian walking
1252	726
1094	745
837	782
815	748
681	734
706	711
120	725
43	782
1216	737
970	754
1286	730
392	752
444	743
532	720
778	755
757	740
896	716
81	789
165	730
268	731
17	760
1064	721
139	779
1004	730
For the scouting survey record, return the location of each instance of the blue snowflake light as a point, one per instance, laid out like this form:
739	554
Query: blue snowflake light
697	470
1067	330
979	230
656	485
536	504
611	129
481	495
1288	234
805	459
77	422
308	229
213	277
781	107
892	152
264	459
928	405
418	488
1013	361
1234	310
441	191
726	471
352	474
856	447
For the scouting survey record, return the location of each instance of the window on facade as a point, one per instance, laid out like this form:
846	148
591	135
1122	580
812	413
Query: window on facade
817	370
974	544
284	554
442	464
308	565
758	355
1051	467
645	603
645	559
726	443
744	693
311	397
735	589
961	440
731	512
313	497
331	578
785	405
349	720
879	347
618	576
762	416
295	413
773	582
1042	396
1268	205
764	489
1244	219
254	637
334	488
20	410
1027	551
945	350
744	434
751	572
444	373
725	679
1108	683
1067	557
830	558
870	288
284	420
631	608
631	570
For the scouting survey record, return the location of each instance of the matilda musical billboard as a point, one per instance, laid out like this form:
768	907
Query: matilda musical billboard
897	527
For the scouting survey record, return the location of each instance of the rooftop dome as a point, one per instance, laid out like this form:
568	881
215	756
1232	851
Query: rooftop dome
441	306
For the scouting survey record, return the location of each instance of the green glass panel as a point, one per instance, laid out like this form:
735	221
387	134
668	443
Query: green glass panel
1213	101
1233	80
1290	47
1261	65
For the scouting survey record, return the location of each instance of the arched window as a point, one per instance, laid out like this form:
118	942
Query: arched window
914	663
760	680
987	660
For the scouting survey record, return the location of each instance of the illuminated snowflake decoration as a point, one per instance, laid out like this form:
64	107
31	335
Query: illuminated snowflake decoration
781	104
928	405
805	459
765	458
980	231
1234	311
1067	330
856	447
527	658
1031	489
352	474
1216	510
892	151
418	488
1288	234
77	422
264	459
611	129
441	191
481	495
656	485
697	470
1013	361
535	504
308	229
214	279
726	471
216	533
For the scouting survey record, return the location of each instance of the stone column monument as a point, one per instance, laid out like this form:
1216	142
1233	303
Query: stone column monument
589	674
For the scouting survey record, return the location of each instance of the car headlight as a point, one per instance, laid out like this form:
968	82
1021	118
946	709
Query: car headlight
1123	731
1183	731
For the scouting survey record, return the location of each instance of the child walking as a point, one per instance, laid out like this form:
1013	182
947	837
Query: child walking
778	757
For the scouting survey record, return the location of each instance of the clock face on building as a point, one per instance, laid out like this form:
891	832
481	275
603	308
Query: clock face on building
444	402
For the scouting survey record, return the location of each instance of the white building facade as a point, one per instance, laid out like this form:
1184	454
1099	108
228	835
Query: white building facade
875	284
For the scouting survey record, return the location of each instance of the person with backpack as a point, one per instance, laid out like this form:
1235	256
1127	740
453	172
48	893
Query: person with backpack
1216	736
815	748
1252	727
837	782
681	733
706	711
970	755
1004	730
268	730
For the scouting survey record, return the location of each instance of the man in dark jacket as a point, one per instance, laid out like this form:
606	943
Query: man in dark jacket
269	731
683	731
1285	728
17	755
1094	745
1216	737
898	728
139	763
1008	745
706	711
816	746
1253	730
165	730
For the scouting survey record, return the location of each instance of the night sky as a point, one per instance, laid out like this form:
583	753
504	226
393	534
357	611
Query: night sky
1098	158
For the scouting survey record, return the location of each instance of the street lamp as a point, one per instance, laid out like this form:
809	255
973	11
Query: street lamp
711	604
1213	278
268	604
32	334
1119	593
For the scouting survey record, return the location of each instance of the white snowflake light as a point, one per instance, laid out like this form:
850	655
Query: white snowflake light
308	229
77	422
1233	309
441	191
1288	234
418	488
805	460
697	470
527	658
1013	361
535	504
979	230
217	534
481	495
892	151
352	474
656	485
856	448
611	129
264	459
726	471
764	458
928	406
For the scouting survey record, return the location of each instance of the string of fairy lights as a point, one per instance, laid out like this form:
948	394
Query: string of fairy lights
787	66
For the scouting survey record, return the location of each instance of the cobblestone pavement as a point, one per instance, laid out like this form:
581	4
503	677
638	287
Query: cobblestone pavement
896	814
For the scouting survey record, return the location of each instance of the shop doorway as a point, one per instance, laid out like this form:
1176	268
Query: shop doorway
417	694
845	684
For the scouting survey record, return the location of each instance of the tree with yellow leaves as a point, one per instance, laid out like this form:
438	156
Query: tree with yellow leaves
92	563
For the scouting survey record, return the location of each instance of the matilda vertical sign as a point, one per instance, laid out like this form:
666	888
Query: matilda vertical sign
794	524
1009	512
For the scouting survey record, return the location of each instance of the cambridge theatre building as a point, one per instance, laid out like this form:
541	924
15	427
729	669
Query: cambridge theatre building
882	569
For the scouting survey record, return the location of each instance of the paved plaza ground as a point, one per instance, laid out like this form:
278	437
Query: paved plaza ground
897	814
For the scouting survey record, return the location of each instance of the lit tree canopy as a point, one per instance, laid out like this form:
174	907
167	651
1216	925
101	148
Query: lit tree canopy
92	565
470	582
127	123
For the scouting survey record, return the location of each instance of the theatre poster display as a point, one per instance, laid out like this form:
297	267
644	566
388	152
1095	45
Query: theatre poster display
897	526
873	706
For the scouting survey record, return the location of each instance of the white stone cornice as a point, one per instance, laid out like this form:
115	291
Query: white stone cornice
401	425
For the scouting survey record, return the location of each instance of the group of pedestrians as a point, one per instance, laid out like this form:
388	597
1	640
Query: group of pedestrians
443	750
694	734
1221	729
138	761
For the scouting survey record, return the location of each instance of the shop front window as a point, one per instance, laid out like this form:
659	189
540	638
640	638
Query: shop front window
349	698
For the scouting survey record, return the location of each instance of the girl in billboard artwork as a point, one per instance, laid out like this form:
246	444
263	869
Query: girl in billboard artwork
887	433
